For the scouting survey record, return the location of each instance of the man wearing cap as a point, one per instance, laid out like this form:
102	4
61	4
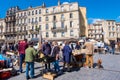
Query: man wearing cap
30	54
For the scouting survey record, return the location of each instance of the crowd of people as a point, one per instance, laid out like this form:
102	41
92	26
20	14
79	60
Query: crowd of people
53	53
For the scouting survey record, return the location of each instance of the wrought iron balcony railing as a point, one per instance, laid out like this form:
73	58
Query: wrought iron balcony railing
22	32
33	31
59	29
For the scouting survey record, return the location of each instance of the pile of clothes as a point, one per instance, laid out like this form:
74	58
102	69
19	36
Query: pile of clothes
5	62
6	67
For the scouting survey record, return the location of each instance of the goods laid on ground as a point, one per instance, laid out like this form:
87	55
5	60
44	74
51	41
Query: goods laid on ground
5	74
10	53
8	69
5	62
49	75
13	56
6	65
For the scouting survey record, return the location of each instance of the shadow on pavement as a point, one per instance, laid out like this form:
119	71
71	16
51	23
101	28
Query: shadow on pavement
75	69
96	65
38	67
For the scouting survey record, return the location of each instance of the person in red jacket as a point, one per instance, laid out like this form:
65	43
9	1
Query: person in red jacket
22	45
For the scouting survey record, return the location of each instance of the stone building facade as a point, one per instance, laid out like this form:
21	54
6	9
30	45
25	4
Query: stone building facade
106	30
2	30
62	22
10	28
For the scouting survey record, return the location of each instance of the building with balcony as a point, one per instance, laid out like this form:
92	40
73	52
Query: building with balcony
61	22
10	28
111	30
118	31
106	30
95	31
2	30
21	24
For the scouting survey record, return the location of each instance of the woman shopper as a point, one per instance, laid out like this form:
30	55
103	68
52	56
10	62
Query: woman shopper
67	51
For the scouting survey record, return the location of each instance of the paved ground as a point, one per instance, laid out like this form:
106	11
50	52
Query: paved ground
111	71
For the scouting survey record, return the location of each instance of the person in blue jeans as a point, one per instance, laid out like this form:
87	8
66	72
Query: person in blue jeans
56	65
29	65
55	54
22	45
30	54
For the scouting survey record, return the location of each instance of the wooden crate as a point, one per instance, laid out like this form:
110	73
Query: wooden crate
49	76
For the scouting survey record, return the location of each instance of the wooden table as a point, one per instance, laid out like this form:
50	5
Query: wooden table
78	59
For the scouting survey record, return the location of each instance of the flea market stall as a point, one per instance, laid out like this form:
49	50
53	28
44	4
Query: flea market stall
6	65
78	58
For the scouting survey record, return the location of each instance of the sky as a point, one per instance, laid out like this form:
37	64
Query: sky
96	9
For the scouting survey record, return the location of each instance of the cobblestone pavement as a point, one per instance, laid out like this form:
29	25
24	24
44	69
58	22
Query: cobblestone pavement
111	71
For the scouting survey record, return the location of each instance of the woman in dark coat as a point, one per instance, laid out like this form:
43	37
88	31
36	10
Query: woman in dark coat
67	51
